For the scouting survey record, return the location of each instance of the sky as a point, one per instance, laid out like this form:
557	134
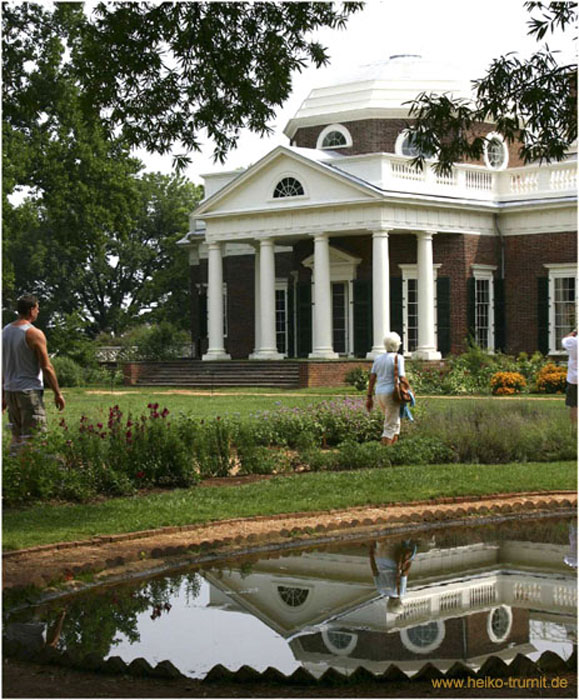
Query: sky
464	33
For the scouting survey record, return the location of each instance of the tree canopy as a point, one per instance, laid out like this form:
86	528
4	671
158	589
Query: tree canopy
161	76
532	102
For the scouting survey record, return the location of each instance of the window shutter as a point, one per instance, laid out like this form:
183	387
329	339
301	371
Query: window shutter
362	317
443	314
470	309
396	308
499	311
202	311
290	319
543	314
304	318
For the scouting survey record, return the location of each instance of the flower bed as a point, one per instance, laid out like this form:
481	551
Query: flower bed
157	449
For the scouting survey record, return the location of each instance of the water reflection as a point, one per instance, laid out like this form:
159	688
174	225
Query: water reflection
457	594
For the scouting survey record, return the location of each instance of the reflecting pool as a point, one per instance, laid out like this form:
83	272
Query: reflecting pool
438	595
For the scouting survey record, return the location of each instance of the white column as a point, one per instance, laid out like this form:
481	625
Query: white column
216	349
257	302
426	349
268	346
380	293
323	342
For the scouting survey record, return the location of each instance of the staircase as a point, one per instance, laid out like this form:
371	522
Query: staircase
283	374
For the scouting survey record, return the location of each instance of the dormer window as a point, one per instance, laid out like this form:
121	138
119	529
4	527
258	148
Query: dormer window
496	155
334	136
288	187
406	146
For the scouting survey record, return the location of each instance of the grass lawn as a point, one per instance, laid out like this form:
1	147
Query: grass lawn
285	494
95	401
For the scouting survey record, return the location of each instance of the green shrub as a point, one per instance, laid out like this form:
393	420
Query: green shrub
358	378
68	372
370	455
162	341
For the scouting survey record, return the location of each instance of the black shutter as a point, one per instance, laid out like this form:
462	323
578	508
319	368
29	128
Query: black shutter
396	308
362	308
304	318
443	314
290	319
543	314
470	309
202	311
500	328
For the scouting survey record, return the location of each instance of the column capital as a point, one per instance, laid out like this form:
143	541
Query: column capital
320	235
381	233
427	234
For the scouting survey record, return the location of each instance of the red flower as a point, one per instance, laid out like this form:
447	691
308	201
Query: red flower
165	412
129	435
140	475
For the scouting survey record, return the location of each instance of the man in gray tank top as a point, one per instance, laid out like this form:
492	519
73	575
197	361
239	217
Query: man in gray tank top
24	363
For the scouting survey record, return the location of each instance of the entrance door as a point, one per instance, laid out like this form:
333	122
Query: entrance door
340	317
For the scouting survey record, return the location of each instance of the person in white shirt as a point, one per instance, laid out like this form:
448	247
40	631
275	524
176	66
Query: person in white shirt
569	342
382	377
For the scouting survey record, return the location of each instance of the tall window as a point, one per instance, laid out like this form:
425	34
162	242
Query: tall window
484	306
281	317
562	303
410	306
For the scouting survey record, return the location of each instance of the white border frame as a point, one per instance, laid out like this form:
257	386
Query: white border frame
338	651
328	130
559	270
278	178
492	636
488	139
486	272
411	646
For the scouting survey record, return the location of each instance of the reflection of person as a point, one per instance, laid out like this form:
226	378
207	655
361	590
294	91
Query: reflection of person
569	342
571	557
390	565
24	362
382	377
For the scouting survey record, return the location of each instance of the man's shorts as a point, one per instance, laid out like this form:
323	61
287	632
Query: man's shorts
26	412
571	395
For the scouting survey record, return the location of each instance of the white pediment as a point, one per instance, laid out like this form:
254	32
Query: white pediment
253	190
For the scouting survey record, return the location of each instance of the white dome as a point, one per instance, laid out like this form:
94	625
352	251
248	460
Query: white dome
378	91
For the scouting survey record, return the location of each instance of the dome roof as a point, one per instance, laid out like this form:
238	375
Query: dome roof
378	90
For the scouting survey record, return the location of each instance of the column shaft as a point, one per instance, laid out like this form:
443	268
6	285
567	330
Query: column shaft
380	292
216	349
257	301
323	341
268	348
426	349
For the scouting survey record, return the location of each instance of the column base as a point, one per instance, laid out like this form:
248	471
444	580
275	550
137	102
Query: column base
429	354
374	352
323	355
266	355
215	355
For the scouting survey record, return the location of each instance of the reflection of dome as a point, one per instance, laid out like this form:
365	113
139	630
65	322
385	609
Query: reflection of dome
378	90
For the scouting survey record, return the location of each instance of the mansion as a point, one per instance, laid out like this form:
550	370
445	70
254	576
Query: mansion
325	244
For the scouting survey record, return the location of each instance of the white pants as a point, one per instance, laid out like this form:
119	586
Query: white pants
391	411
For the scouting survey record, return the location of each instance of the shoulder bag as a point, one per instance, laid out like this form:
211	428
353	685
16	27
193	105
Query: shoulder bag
401	393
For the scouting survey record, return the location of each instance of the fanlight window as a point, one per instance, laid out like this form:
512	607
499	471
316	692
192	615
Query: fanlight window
334	139
293	596
496	153
288	187
423	635
410	147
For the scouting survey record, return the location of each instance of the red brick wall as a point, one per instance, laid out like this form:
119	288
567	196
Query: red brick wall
525	257
379	136
328	373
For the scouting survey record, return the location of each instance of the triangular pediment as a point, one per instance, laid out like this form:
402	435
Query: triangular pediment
253	190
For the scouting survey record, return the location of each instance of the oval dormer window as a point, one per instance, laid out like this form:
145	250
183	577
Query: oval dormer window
495	153
406	146
288	187
334	139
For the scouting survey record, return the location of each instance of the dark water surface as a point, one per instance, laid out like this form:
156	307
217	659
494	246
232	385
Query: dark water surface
470	592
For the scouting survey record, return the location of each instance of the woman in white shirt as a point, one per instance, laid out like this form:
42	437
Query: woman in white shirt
382	377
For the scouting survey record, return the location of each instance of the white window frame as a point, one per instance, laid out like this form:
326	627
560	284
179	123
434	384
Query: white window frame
505	164
282	176
399	143
328	130
427	648
558	271
410	272
486	273
499	639
282	285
